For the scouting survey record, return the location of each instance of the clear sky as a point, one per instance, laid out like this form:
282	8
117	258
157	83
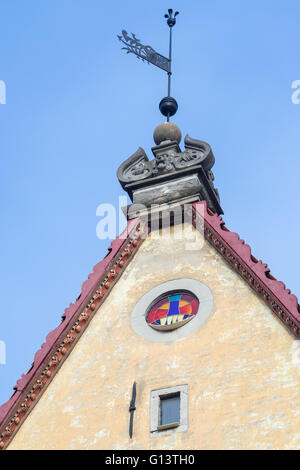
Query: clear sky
77	106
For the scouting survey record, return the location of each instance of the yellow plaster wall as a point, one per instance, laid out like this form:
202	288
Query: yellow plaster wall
242	368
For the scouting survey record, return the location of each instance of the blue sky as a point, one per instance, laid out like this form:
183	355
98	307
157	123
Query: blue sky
77	106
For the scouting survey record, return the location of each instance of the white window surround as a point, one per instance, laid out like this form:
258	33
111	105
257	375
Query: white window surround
155	399
138	315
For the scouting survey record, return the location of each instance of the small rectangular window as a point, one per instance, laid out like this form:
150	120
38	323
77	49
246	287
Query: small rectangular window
169	409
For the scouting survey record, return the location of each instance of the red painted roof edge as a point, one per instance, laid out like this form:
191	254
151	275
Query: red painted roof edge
70	312
258	268
231	240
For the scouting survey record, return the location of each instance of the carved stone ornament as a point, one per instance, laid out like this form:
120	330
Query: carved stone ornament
138	167
170	176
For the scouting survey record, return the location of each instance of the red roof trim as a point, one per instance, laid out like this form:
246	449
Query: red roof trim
53	338
228	244
259	270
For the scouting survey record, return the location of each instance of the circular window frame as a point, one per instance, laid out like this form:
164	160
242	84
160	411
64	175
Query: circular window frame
198	289
176	325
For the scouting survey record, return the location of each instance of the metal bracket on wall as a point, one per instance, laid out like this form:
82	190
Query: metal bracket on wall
132	409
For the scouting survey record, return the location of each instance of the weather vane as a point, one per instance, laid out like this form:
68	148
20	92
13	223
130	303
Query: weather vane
168	105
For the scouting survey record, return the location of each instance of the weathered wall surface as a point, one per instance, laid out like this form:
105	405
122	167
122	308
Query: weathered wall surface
242	368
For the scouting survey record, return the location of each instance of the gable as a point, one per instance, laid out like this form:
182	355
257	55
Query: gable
241	365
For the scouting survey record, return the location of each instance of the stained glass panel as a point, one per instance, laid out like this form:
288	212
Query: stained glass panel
173	310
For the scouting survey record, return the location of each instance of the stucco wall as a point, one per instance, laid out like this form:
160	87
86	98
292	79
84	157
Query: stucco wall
242	368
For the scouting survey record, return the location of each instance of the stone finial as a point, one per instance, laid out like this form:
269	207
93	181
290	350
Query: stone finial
167	131
173	178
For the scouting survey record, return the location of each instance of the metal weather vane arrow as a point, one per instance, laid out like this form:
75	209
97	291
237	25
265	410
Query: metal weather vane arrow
134	46
168	106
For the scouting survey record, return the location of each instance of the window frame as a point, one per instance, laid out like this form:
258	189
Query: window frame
168	294
138	315
156	428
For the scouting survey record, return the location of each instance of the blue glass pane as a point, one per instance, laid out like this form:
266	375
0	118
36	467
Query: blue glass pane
170	409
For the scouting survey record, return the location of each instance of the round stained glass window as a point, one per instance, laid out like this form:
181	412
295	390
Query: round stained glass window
172	310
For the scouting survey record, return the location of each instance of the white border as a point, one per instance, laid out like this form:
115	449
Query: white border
138	315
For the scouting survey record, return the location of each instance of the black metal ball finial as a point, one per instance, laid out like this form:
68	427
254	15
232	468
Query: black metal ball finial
168	106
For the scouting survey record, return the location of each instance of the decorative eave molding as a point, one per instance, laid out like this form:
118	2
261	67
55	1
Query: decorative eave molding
256	273
60	342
